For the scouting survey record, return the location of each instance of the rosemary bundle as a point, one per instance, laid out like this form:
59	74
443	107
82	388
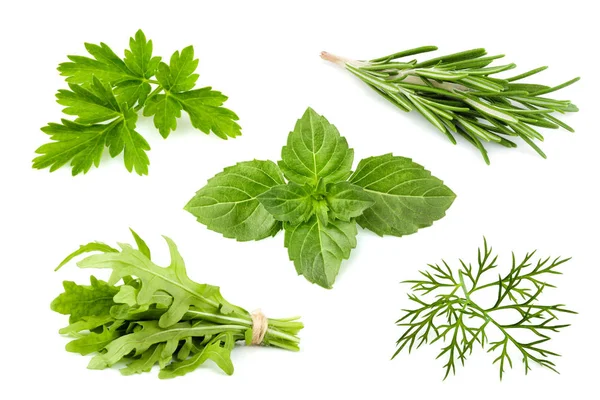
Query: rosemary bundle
460	94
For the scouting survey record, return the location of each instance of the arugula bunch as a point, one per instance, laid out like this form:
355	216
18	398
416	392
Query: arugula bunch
156	315
456	308
460	94
106	93
322	201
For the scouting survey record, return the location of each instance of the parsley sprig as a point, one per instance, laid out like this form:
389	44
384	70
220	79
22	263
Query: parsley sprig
106	93
460	95
452	307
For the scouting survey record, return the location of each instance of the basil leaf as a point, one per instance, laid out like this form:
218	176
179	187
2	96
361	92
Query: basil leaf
318	250
407	197
229	204
315	150
347	201
289	203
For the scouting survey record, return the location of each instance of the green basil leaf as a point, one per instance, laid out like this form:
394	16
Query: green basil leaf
318	250
347	201
315	150
289	203
407	197
229	204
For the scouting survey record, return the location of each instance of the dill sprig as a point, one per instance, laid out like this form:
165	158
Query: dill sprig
452	308
460	94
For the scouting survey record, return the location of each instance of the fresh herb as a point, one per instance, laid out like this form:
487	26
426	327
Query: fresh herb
105	94
319	206
147	315
459	94
453	308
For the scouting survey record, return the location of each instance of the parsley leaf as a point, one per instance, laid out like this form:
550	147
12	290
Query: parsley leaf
322	200
202	105
82	142
106	88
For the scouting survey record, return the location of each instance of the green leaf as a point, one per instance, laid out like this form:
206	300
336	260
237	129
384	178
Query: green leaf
93	342
87	248
139	58
204	106
84	301
144	363
172	280
407	197
318	250
315	150
105	65
166	110
291	203
151	334
82	142
218	350
129	76
92	105
347	201
90	323
141	244
178	75
229	203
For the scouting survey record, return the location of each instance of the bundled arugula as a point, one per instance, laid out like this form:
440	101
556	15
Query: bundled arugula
158	315
453	308
105	94
460	94
322	201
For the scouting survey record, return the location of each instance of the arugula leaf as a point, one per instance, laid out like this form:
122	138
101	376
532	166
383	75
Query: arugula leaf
106	92
291	203
84	301
218	350
407	197
83	141
317	250
347	201
202	105
229	203
315	150
94	341
172	280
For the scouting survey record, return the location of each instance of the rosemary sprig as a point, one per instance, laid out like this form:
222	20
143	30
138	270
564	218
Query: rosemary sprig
450	308
460	94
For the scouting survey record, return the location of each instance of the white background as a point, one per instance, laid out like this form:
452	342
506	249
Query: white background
265	57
